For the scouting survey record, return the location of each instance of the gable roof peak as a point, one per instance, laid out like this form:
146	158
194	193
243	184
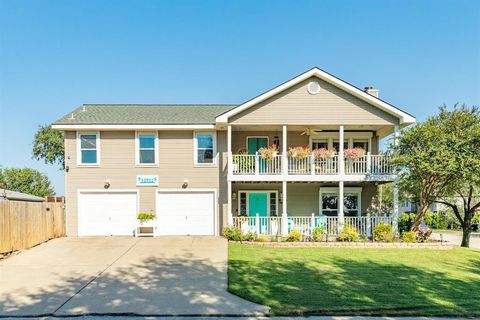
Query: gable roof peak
404	117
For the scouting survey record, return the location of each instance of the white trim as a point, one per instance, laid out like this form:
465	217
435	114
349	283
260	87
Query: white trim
195	154
248	137
181	190
247	192
346	190
133	126
311	178
137	149
79	149
316	72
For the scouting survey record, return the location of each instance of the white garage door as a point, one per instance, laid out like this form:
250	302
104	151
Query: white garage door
186	213
107	213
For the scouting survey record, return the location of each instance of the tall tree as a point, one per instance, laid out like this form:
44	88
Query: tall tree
48	145
439	161
463	192
26	180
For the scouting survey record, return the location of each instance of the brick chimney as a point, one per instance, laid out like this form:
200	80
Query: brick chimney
372	91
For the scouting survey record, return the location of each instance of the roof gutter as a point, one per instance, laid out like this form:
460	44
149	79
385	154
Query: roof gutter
67	127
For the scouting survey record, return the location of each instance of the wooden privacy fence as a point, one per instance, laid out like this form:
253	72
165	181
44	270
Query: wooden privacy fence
25	224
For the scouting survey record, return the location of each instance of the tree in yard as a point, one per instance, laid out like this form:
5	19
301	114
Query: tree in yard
26	180
463	192
48	145
440	159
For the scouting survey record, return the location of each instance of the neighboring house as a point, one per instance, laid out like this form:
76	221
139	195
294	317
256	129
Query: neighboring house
409	206
197	167
18	196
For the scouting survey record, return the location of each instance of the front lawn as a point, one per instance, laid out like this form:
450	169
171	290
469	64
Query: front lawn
345	281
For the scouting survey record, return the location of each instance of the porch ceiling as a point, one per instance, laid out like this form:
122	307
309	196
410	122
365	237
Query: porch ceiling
381	130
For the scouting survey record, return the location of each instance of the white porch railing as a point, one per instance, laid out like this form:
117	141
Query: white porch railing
256	165
272	226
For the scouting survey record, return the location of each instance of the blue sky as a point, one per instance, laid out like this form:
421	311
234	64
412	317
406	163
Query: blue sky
56	55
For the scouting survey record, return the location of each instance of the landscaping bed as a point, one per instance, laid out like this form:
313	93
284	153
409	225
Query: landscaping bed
347	281
436	245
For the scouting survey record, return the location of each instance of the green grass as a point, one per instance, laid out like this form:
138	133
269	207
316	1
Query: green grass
343	281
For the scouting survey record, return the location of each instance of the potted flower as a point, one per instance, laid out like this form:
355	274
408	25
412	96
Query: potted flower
147	224
354	154
323	154
299	152
268	153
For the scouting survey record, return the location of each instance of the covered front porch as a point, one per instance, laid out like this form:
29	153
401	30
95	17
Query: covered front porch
276	208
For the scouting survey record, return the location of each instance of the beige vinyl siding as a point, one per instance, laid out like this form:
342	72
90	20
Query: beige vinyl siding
331	106
302	198
117	154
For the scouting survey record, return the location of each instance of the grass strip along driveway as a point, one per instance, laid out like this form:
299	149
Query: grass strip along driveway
353	281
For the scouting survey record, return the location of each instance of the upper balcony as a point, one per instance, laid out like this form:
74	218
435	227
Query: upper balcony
367	167
307	154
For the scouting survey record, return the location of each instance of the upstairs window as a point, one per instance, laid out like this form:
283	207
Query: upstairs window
205	148
359	143
146	148
88	148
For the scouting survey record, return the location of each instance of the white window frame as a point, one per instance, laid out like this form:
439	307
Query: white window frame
351	190
349	137
247	192
195	152
137	149
79	148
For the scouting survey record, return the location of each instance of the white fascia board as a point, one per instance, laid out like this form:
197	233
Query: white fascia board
132	126
403	117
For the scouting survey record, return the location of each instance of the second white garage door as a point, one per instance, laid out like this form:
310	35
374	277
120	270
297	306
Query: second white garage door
186	212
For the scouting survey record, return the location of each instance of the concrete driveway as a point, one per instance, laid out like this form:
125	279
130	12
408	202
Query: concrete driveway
102	276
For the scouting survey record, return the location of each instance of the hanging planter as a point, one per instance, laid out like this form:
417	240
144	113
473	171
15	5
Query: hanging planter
299	152
354	153
323	154
268	153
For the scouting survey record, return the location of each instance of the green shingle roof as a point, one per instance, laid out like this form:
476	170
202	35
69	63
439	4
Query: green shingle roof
144	114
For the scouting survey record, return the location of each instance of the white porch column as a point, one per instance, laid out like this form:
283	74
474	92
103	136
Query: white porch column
340	207
284	209
284	151
229	150
395	216
230	172
341	158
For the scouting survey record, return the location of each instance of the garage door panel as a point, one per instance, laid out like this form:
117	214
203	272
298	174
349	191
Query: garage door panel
107	213
186	213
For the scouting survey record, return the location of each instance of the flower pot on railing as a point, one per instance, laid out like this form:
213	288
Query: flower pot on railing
268	153
354	154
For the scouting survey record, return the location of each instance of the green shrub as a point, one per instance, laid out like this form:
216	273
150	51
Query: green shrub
438	220
146	216
409	236
233	234
262	238
249	236
406	220
349	234
294	236
318	234
383	232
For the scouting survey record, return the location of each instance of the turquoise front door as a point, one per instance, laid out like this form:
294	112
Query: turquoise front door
255	143
257	203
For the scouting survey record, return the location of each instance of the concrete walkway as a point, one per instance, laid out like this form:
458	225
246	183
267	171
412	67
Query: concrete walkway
100	276
457	239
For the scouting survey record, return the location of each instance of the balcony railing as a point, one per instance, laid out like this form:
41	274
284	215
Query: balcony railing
272	226
365	165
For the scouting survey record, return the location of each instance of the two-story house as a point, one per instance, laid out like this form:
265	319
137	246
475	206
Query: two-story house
203	167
